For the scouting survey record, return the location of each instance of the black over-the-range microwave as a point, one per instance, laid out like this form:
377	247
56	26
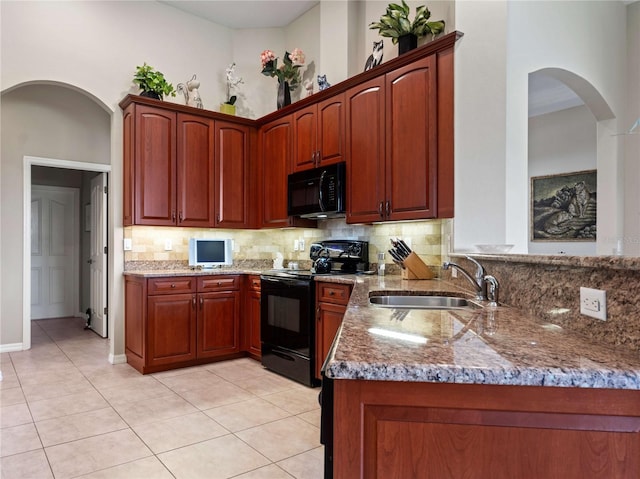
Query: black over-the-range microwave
317	193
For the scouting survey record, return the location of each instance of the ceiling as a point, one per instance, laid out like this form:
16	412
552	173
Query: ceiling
246	13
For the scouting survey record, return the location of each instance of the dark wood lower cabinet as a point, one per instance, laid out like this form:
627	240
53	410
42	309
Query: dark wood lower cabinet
179	321
331	304
426	430
251	319
218	325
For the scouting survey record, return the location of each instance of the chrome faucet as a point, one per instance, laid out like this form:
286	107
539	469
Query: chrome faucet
480	280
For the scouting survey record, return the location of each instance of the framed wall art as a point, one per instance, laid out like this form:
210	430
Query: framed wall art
564	207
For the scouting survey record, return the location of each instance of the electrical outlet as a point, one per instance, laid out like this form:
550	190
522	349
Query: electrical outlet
127	244
168	246
301	244
593	302
296	245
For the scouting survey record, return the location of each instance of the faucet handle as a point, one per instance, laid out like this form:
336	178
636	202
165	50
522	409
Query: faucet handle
479	268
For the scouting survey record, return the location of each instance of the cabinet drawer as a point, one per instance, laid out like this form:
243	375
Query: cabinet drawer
333	293
171	285
218	283
253	282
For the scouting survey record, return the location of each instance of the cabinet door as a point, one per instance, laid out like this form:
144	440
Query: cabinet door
365	151
218	317
276	147
329	319
331	130
195	171
305	138
128	155
155	166
411	142
171	329
231	187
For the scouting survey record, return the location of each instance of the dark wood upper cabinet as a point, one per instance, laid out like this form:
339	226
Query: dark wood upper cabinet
276	139
411	141
195	166
319	132
365	140
232	147
154	166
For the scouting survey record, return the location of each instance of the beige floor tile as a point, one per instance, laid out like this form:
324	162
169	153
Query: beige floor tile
14	415
236	369
79	426
219	395
115	378
283	438
135	389
28	465
264	384
66	405
9	381
222	457
40	378
75	458
179	431
147	468
271	471
296	400
312	417
308	465
155	409
47	363
11	396
74	385
246	414
198	379
18	439
177	372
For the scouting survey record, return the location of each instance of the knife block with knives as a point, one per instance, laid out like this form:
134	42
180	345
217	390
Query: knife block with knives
415	268
412	266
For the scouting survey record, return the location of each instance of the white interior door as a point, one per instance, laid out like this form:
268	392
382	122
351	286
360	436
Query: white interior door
54	251
98	256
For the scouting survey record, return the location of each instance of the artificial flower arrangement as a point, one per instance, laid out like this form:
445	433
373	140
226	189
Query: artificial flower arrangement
289	71
232	83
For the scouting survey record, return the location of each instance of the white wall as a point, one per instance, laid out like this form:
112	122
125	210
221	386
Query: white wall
503	43
562	142
631	237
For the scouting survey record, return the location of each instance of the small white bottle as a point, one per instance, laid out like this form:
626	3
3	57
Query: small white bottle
381	264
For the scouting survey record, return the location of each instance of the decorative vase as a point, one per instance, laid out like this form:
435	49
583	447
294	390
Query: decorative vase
407	43
284	94
227	108
151	94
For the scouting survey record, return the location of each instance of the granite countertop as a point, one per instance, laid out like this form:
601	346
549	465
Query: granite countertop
499	346
154	273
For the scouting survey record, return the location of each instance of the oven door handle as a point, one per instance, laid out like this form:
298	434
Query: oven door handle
286	281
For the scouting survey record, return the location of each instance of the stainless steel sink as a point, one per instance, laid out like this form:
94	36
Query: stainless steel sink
422	302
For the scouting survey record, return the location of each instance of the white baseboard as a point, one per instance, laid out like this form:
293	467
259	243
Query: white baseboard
117	358
11	348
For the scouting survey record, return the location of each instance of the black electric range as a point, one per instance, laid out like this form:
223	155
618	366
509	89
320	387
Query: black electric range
287	305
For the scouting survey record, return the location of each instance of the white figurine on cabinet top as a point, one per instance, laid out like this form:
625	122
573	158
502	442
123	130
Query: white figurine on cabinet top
191	93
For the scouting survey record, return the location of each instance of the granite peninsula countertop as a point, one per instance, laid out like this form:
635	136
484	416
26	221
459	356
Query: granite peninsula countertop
498	346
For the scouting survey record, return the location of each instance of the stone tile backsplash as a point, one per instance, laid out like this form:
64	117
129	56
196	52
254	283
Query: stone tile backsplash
148	242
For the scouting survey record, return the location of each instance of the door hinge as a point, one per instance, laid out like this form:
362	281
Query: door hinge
106	190
105	310
105	250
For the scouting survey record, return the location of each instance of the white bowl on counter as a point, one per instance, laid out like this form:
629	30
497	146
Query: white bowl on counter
494	248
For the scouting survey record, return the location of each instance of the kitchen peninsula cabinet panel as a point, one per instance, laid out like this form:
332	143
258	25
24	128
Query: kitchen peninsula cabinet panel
319	132
154	166
331	304
411	143
392	429
195	167
365	106
232	175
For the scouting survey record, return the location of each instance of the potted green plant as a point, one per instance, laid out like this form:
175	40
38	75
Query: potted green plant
152	83
395	24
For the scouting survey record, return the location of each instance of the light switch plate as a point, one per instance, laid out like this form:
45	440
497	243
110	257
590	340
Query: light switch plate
127	244
168	246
